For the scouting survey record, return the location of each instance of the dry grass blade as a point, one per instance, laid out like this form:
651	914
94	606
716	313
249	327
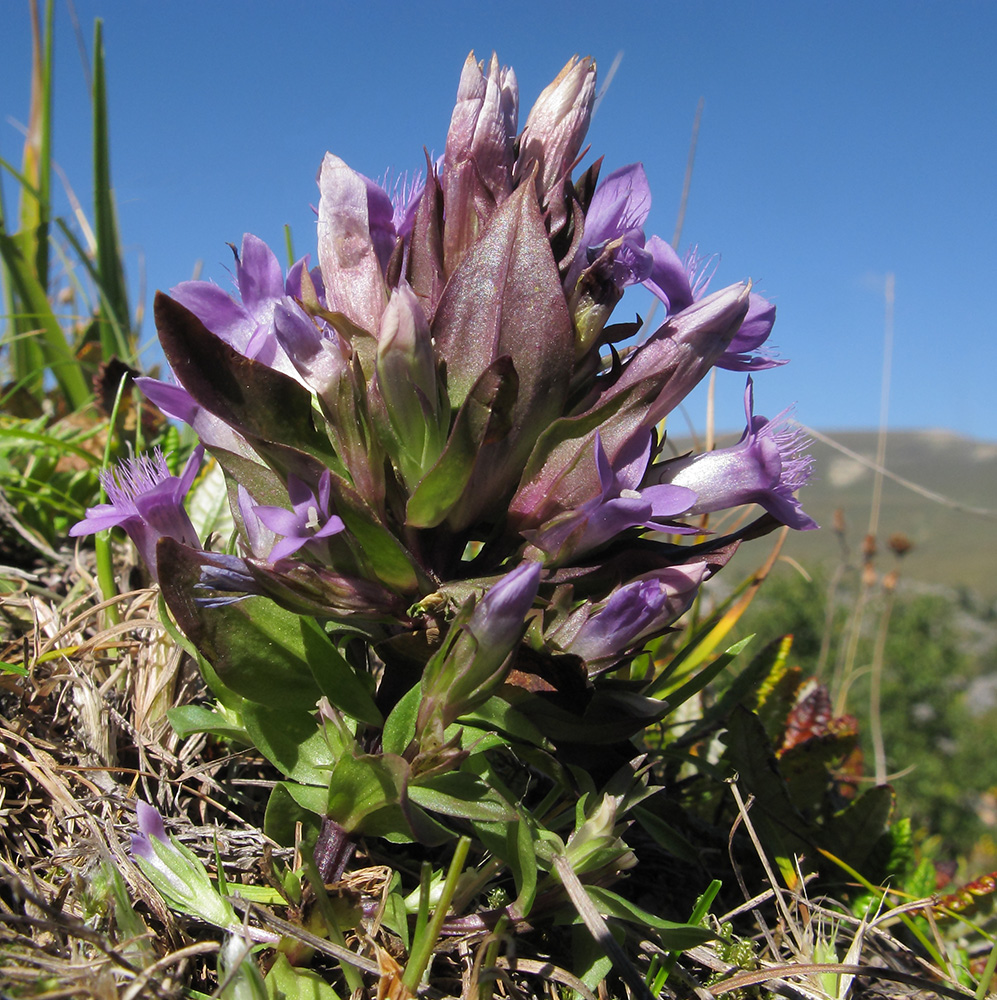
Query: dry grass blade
298	933
773	973
598	927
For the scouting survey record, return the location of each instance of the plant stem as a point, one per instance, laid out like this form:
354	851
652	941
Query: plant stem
422	947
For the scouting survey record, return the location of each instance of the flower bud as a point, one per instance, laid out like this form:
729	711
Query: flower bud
478	163
634	613
554	132
176	871
416	426
467	669
351	220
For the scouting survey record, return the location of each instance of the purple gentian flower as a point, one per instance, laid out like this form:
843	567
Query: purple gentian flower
246	324
635	612
308	519
616	215
146	500
175	401
150	824
319	355
619	506
766	467
679	283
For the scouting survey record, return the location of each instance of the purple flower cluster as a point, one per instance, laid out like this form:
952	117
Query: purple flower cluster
437	432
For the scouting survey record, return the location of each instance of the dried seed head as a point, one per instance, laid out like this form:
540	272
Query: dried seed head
900	544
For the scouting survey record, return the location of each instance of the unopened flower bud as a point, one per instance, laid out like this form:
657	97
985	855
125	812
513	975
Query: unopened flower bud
555	130
478	163
462	675
406	383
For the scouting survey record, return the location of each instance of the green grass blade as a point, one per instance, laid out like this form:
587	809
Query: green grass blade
35	310
36	203
25	353
114	297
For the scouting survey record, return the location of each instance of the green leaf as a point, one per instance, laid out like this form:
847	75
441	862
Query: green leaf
497	714
288	982
775	816
399	728
362	786
522	859
292	740
189	719
673	936
113	292
692	687
290	804
337	680
855	831
662	833
59	356
254	646
460	794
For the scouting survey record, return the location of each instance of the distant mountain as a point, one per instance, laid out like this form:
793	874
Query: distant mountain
951	547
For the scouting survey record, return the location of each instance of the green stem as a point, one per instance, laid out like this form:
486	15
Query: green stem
422	948
353	977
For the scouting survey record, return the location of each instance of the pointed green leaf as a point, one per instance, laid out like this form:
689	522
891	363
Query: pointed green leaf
255	647
189	719
37	311
674	936
292	741
361	787
399	728
114	296
288	982
460	794
290	804
336	679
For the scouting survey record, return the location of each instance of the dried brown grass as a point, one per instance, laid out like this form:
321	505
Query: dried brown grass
84	732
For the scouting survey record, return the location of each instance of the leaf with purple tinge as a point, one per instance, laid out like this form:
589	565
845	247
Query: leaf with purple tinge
264	405
505	298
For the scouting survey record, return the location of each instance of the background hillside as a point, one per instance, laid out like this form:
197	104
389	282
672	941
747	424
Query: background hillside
952	546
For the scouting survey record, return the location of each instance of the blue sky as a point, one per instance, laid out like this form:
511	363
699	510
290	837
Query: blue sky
839	142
